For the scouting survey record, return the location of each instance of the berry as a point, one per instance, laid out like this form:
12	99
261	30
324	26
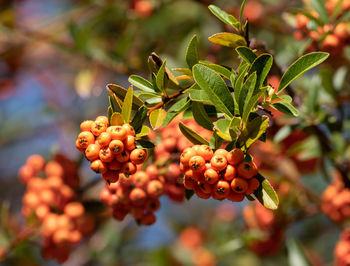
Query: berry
239	185
247	170
138	156
218	162
235	156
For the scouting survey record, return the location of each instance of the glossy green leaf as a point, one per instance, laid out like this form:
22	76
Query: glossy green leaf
141	83
246	92
116	107
144	143
253	131
157	117
177	108
117	119
285	108
222	127
223	16
145	130
160	78
215	87
227	39
120	92
127	105
192	52
247	54
109	114
198	95
265	194
300	66
191	135
241	11
201	116
139	119
223	71
183	70
250	104
215	141
261	65
296	253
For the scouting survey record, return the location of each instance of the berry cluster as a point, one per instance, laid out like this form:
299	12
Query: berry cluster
220	174
336	202
342	249
111	149
62	221
136	194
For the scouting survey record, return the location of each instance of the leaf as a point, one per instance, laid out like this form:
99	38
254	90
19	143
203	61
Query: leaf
327	82
139	119
215	87
246	92
183	70
266	195
192	52
198	95
246	53
285	108
241	11
300	66
157	117
320	8
145	130
250	104
222	127
191	135
141	83
116	107
296	254
261	66
228	39
127	105
201	116
117	119
215	141
223	16
160	77
120	92
109	114
143	143
189	193
253	131
225	72
178	107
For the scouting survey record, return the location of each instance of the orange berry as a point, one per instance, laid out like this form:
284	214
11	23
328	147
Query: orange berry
140	179
98	127
200	193
137	196
205	187
253	185
41	211
152	171
47	196
237	197
206	152
111	176
186	155
247	170
53	168
25	173
211	176
98	166
230	172
86	125
85	139
188	181
129	168
106	155
235	156
102	119
92	152
117	132
114	166
64	221
36	161
197	163
218	162
221	189
152	205
222	152
105	195
155	188
125	181
123	157
60	236
129	129
148	219
104	139
137	212
239	185
31	199
129	143
169	144
74	237
138	156
116	146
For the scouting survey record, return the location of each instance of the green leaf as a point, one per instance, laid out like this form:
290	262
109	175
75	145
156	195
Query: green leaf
117	119
320	7
201	116
300	66
327	82
141	83
261	66
312	96
160	77
253	131
192	52
246	92
127	105
223	16
120	92
215	87
215	141
266	195
157	117
145	144
139	119
246	53
241	11
296	254
189	193
285	108
177	108
145	130
191	135
227	39
109	114
198	95
222	129
183	70
114	104
223	71
250	104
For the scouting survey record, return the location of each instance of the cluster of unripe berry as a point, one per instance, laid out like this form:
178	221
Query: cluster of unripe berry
111	149
62	221
342	249
136	194
336	202
221	174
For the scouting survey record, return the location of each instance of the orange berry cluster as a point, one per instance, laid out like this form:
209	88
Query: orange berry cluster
61	220
338	36
110	149
342	249
220	174
257	217
170	176
136	194
336	202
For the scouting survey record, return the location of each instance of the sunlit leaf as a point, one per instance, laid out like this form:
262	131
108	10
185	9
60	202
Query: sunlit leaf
228	39
157	117
191	135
